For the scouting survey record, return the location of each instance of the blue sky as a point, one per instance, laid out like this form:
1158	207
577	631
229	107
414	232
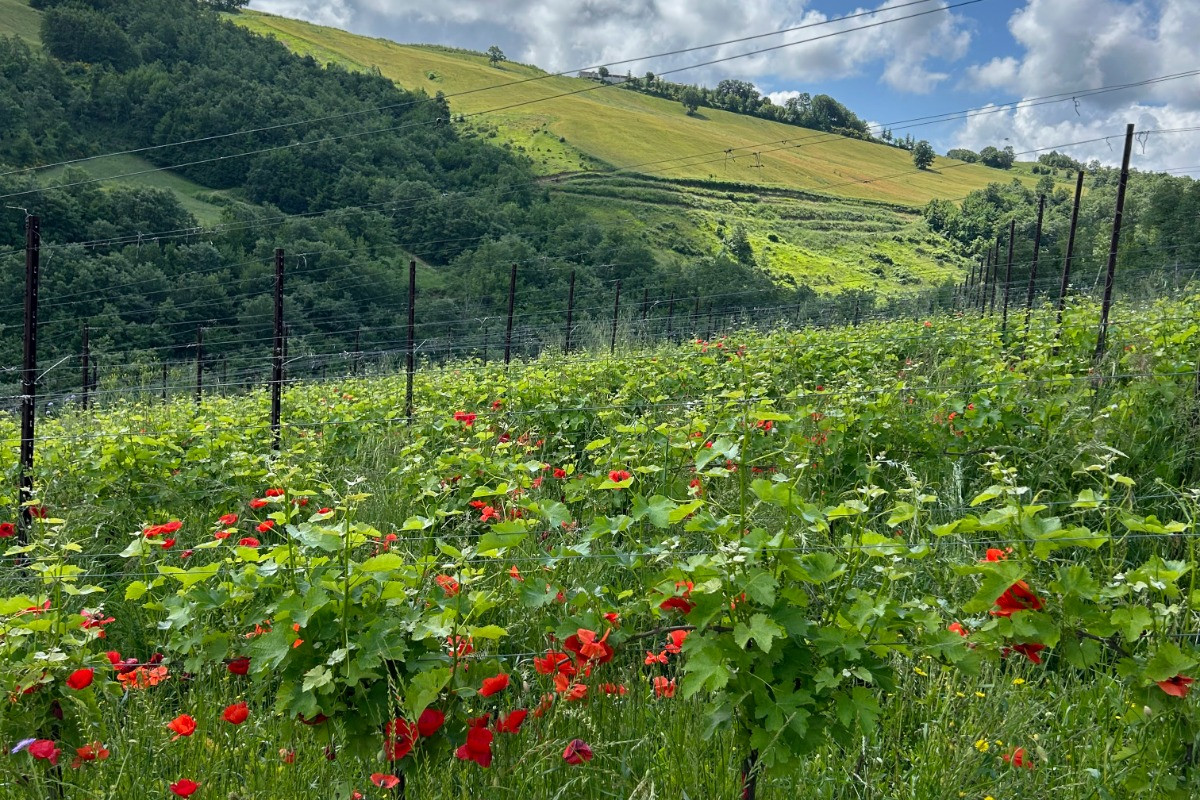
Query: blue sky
992	52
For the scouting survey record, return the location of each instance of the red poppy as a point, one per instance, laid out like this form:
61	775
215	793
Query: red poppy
996	554
660	658
317	720
478	747
81	678
274	492
249	541
586	647
681	604
488	513
494	685
183	725
613	688
89	752
663	687
1018	597
460	646
385	781
228	519
1031	651
184	787
1177	686
258	503
466	419
324	510
265	525
618	475
40	512
559	474
577	752
239	665
167	544
554	662
957	627
287	756
675	641
46	750
613	618
515	573
577	691
399	738
7	529
113	657
430	721
221	535
448	584
480	722
511	723
1018	758
236	714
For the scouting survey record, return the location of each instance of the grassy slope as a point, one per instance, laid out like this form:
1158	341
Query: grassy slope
192	196
17	18
841	234
621	128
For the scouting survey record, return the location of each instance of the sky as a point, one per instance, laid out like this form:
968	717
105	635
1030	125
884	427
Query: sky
989	54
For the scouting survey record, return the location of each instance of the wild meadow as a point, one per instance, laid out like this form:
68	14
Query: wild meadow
906	559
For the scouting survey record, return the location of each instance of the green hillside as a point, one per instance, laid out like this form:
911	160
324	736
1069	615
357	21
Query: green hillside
17	18
806	210
618	128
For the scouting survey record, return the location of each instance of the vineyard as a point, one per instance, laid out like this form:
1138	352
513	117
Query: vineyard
782	564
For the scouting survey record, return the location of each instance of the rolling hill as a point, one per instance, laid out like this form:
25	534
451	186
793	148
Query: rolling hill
821	210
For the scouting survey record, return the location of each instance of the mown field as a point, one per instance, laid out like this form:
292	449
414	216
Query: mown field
910	559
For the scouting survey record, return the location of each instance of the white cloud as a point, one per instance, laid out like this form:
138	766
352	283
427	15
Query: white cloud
561	35
335	13
1121	42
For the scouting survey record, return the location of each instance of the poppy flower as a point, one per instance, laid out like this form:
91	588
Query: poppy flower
40	512
511	722
324	510
89	752
167	544
81	678
1031	651
996	554
660	658
494	685
317	720
221	535
249	541
385	781
675	641
274	492
488	513
430	721
7	529
113	657
466	419
399	738
681	604
613	618
258	503
235	714
287	756
664	687
448	584
957	627
460	646
586	647
183	725
618	475
239	665
577	691
265	525
614	688
1018	758
515	573
1018	597
478	747
554	662
577	752
1177	686
228	519
184	787
46	750
559	474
